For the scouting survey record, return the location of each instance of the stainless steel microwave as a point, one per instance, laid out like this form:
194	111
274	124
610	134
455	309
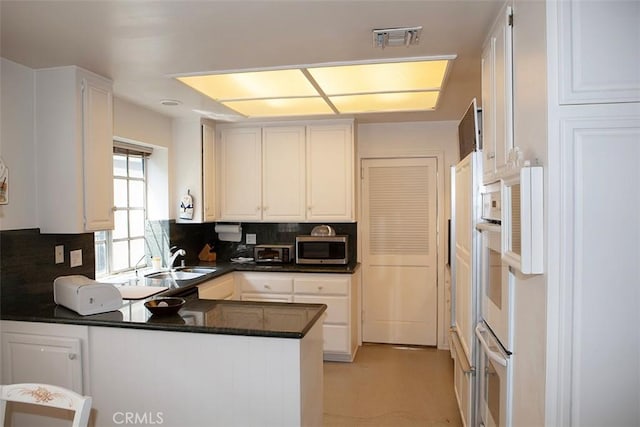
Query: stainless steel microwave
331	250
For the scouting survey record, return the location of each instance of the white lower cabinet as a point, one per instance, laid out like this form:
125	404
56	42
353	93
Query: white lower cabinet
222	287
265	287
43	353
340	292
463	381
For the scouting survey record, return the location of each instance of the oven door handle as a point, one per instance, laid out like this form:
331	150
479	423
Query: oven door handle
493	355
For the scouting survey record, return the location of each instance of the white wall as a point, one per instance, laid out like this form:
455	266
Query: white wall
142	126
17	145
530	134
413	139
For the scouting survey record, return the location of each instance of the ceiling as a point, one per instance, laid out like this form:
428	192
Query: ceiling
143	45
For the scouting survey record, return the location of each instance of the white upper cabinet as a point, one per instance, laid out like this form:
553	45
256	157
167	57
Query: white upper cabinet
497	97
283	173
287	173
330	174
598	51
241	174
209	181
194	162
74	150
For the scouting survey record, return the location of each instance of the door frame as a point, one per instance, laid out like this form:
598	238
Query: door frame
441	315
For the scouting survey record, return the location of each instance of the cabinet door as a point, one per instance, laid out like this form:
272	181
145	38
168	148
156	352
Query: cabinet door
599	59
219	288
488	113
240	174
497	97
42	359
503	101
97	113
208	173
330	181
283	174
337	307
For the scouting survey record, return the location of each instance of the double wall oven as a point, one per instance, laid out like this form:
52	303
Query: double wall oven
495	328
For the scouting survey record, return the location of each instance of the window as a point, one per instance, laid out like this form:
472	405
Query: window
124	248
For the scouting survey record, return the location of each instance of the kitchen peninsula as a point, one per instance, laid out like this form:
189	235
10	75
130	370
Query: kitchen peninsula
226	363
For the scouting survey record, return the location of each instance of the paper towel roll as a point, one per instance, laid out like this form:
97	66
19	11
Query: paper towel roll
229	232
228	228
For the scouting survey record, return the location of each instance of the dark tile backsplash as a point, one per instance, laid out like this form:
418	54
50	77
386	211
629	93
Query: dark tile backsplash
27	257
284	233
27	260
193	237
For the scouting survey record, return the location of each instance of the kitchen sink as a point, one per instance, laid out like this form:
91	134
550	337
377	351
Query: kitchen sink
184	273
175	275
200	270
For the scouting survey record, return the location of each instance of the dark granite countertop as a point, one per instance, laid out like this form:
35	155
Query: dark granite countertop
264	319
180	287
267	319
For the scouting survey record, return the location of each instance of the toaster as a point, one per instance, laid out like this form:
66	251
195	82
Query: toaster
86	296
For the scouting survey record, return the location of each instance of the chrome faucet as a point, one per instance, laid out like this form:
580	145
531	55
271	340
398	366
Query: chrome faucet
174	255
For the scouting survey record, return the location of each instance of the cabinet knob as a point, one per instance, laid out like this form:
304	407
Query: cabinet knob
73	356
267	287
257	208
319	288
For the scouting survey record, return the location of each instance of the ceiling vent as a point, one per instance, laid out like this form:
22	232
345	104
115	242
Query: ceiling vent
392	37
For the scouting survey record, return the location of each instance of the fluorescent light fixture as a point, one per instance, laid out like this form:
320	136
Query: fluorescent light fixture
397	85
276	107
388	102
252	85
387	77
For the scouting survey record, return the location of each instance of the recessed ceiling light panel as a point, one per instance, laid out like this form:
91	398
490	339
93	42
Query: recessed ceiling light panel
252	85
279	107
397	85
385	102
385	77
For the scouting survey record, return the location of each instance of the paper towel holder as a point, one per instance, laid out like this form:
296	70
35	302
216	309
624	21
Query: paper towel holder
229	232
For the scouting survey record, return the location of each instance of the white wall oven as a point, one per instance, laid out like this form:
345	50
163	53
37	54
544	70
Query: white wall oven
496	286
495	372
495	329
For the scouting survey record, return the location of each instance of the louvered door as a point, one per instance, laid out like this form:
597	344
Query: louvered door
400	251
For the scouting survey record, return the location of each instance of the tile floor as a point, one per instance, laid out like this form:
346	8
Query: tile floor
391	386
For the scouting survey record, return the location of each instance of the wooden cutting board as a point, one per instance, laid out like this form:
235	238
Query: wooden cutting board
140	292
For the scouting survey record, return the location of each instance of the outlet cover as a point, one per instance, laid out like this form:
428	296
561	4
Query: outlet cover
76	258
59	254
251	239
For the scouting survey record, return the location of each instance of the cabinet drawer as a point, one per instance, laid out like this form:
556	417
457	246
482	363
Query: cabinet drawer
266	297
337	307
336	338
216	289
321	286
266	283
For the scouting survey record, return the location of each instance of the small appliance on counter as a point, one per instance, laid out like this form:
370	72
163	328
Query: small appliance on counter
280	254
323	246
86	296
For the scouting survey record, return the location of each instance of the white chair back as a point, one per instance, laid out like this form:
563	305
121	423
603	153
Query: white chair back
46	395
